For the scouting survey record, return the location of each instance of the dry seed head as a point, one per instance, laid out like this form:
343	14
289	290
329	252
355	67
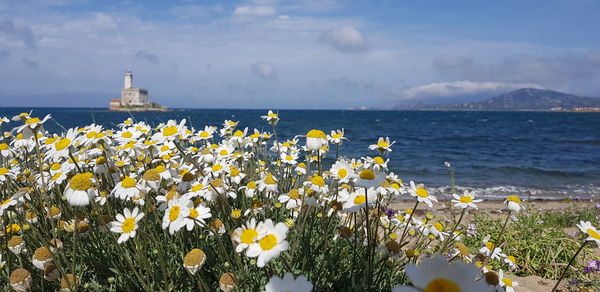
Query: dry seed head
215	223
69	281
392	246
194	258
151	175
15	240
227	282
42	254
492	278
18	276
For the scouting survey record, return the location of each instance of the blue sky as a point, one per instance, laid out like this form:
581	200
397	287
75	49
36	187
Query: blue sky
294	53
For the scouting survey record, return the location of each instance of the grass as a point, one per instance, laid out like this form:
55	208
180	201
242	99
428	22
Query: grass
541	242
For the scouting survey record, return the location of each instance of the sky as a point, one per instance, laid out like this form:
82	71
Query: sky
287	54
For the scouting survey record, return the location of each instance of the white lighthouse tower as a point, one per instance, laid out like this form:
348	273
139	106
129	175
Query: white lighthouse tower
128	80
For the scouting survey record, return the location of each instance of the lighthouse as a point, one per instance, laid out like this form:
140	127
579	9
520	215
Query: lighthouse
133	99
128	80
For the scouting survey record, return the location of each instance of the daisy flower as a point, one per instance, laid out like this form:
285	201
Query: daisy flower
591	231
80	189
288	283
170	131
246	235
61	148
513	203
271	117
315	139
289	158
422	194
196	216
437	274
466	200
342	171
268	184
207	133
271	242
126	189
487	249
368	178
336	137
177	210
126	224
317	184
32	125
7	204
507	283
358	200
383	145
292	199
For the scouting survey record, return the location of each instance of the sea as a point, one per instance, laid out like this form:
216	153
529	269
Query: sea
540	155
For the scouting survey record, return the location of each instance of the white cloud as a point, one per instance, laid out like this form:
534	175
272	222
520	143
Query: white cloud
457	88
264	70
254	11
346	39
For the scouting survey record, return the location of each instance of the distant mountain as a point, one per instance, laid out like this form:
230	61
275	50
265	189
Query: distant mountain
522	99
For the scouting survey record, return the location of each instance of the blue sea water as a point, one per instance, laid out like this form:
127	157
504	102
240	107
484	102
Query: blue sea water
545	154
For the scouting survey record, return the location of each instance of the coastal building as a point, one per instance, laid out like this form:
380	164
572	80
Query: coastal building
134	99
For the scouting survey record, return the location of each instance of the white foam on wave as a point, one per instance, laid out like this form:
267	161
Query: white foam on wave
500	192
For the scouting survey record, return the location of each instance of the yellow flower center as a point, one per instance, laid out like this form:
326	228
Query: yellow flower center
128	183
421	192
316	134
251	185
151	174
593	233
438	226
489	245
466	199
169	131
216	167
294	194
318	181
3	171
441	285
238	133
383	143
272	115
248	236
204	134
342	173
174	213
337	135
3	146
101	160
197	187
268	242
269	180
62	144
5	202
379	160
513	199
512	259
81	182
367	174
128	225
360	199
164	148
32	121
507	281
127	135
